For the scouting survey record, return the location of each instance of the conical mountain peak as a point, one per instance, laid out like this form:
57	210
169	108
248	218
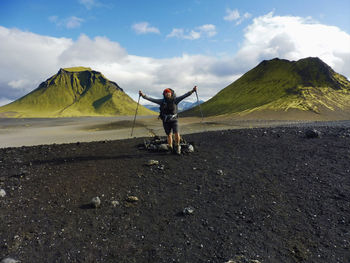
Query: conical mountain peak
276	87
77	91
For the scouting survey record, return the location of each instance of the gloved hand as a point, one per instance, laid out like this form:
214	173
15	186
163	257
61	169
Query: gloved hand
194	89
141	94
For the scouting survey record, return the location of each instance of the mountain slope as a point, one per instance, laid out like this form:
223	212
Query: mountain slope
74	92
280	86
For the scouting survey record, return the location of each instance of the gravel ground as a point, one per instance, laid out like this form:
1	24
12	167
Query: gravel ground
249	195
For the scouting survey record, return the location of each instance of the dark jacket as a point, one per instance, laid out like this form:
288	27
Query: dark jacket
166	113
176	100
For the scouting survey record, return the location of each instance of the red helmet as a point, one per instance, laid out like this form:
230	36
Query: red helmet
167	91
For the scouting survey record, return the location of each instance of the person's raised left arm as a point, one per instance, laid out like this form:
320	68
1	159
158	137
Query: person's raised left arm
178	99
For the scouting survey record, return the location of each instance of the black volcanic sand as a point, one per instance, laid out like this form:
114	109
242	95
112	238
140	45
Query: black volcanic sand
279	197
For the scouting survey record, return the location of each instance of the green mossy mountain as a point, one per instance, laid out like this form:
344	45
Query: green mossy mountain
74	92
279	87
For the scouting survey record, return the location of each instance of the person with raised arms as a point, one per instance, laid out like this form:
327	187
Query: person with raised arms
168	114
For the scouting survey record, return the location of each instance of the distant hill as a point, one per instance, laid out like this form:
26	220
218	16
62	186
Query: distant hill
183	105
277	88
186	105
74	92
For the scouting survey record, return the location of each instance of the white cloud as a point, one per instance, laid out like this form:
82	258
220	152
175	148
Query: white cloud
246	16
89	3
69	22
294	38
176	32
26	59
4	101
234	15
73	22
95	51
180	73
207	30
20	83
144	28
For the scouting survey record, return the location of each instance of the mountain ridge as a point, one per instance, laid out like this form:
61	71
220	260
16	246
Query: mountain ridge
279	86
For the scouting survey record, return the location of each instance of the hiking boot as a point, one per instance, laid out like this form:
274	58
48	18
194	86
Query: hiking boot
178	149
170	148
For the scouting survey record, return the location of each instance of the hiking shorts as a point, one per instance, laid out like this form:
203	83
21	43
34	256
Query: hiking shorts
171	126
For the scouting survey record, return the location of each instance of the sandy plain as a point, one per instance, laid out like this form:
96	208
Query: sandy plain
30	132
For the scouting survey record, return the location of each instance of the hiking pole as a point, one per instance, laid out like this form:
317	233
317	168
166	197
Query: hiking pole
200	109
133	125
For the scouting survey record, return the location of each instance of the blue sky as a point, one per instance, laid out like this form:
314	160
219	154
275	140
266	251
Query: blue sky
152	44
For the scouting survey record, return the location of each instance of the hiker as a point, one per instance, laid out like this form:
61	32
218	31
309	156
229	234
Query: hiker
168	114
